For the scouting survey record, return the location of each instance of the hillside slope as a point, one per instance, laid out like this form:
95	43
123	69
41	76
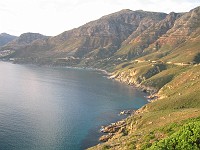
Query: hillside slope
116	38
6	38
169	70
20	45
98	39
176	104
156	52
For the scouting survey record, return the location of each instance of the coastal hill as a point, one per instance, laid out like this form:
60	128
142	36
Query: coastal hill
116	38
19	44
6	38
157	52
97	39
23	40
168	69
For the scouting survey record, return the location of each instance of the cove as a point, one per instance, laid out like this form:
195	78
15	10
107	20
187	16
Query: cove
58	108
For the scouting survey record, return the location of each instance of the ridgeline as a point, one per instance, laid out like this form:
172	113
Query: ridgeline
156	52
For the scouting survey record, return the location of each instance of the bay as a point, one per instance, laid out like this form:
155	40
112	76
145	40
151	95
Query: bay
58	108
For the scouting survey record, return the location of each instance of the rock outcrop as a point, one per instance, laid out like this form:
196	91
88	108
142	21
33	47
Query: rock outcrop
112	130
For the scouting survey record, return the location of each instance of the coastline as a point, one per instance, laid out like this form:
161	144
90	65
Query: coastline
113	130
119	127
58	65
111	98
116	127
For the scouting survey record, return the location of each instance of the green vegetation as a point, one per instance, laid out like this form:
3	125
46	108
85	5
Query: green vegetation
168	69
186	138
181	92
156	52
160	123
105	147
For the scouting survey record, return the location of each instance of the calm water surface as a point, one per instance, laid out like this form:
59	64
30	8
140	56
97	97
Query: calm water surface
58	108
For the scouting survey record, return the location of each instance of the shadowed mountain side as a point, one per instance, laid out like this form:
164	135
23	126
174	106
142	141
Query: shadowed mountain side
6	38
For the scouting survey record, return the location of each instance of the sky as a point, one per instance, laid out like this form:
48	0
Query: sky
52	17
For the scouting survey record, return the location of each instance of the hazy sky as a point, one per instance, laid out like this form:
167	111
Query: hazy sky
52	17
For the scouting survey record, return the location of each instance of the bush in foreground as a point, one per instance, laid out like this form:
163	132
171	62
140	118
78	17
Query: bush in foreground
187	138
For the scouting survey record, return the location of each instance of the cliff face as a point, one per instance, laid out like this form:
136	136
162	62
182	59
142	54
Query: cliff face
105	34
182	39
183	28
156	54
140	40
174	39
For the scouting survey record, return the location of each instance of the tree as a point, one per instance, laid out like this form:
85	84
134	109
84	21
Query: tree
196	59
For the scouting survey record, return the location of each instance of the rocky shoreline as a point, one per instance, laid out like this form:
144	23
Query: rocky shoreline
120	126
132	82
111	130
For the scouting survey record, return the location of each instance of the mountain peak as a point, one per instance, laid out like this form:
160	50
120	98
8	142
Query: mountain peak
6	38
125	10
3	34
29	37
31	34
6	34
125	34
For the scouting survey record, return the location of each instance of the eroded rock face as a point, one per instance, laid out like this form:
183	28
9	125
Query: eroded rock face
183	27
100	38
103	37
112	130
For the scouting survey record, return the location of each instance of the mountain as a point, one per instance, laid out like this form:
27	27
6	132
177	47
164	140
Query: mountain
167	67
97	39
24	40
137	42
6	38
113	39
181	43
156	52
20	44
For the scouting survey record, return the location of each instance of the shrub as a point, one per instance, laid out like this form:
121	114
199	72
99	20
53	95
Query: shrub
187	138
105	147
197	58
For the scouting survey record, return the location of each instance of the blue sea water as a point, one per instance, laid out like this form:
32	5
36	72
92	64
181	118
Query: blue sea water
43	108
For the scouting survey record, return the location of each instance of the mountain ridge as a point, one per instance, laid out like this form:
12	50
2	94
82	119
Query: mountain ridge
125	35
158	53
96	35
24	39
168	69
